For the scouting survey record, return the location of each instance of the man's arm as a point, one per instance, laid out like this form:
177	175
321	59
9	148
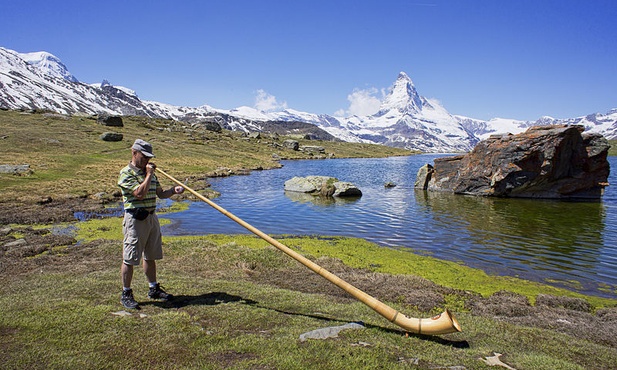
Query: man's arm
164	194
142	189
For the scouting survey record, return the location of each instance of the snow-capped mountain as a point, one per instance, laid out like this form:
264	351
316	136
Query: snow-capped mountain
405	118
484	129
41	81
48	64
605	124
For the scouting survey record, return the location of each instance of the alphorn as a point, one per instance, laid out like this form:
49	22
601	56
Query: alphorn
443	323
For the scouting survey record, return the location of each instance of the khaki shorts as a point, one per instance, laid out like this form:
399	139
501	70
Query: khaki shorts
141	238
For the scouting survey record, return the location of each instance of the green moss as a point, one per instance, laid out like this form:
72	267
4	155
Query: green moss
109	228
363	254
176	207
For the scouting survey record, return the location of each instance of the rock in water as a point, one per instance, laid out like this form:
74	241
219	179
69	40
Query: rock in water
322	185
558	162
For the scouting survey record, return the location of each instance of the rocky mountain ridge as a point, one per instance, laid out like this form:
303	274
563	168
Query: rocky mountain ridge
405	118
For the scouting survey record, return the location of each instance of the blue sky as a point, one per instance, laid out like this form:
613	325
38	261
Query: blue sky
482	59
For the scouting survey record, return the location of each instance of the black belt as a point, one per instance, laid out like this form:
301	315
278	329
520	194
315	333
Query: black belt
135	210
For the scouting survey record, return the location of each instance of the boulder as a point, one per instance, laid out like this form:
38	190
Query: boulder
15	169
112	121
291	144
555	162
111	136
212	126
322	185
313	149
345	189
423	176
309	184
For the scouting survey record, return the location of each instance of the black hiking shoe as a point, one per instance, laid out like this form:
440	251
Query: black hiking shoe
156	292
127	299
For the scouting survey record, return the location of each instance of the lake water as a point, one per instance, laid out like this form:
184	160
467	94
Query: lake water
554	242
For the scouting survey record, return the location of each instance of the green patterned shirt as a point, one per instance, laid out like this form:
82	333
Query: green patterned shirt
130	178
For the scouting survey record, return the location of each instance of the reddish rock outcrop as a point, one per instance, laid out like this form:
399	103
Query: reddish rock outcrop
557	162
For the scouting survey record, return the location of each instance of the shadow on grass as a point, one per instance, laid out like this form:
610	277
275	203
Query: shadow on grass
435	339
432	338
216	298
207	299
462	344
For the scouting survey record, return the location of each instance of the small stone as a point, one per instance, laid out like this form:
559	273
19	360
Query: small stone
122	313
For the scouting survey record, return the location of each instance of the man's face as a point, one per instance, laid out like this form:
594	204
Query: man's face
140	160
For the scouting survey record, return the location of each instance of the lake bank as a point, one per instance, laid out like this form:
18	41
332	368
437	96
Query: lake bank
244	304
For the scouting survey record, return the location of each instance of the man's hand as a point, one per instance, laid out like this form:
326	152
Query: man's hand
178	190
150	168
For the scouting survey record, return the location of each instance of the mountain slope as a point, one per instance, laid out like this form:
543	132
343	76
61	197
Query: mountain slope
405	118
41	81
35	83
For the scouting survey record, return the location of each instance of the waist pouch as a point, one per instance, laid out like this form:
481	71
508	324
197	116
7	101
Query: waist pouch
139	213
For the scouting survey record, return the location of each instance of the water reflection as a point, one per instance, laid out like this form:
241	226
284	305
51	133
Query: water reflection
319	200
522	234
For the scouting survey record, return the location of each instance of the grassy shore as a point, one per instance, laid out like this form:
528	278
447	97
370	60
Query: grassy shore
613	149
244	305
241	303
68	159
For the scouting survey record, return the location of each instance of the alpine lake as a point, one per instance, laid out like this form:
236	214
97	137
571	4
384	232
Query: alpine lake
567	244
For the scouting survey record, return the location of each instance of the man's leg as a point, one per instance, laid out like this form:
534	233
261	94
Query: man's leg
131	254
127	275
127	299
150	270
155	292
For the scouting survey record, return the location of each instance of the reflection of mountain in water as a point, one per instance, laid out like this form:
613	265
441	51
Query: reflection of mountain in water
522	234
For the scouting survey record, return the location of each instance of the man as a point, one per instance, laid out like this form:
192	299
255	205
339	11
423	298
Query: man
142	232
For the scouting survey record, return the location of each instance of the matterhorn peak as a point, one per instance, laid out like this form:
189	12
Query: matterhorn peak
403	97
403	77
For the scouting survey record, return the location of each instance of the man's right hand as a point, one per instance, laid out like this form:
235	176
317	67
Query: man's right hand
150	168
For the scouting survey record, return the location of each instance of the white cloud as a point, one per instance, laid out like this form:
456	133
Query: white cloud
362	102
268	103
340	113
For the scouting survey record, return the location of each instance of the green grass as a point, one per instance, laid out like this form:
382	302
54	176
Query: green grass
613	149
60	315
